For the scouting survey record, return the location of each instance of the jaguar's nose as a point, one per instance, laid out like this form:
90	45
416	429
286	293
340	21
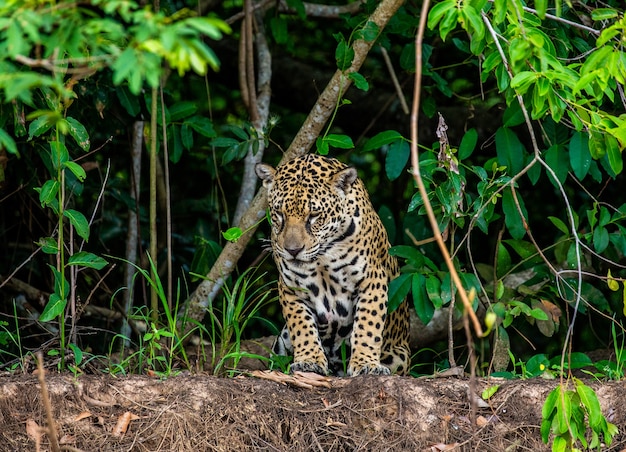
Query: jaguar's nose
294	251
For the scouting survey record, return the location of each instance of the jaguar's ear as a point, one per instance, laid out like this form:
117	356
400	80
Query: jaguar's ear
344	179
266	173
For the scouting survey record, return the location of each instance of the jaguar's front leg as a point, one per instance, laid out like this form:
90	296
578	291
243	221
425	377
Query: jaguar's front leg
308	354
367	333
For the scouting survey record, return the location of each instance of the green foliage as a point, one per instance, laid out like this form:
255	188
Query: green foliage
568	413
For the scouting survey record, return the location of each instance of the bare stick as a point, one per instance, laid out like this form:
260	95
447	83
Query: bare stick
418	178
394	79
52	430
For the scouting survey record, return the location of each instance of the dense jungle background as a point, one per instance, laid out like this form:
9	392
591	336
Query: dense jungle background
133	235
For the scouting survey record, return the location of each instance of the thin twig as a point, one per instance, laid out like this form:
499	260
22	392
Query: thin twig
45	398
394	79
418	178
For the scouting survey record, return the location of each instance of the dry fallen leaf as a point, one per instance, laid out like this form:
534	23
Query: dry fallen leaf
83	415
34	431
123	422
443	447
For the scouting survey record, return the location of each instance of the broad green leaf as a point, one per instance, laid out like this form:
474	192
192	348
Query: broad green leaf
559	225
186	136
369	32
468	144
504	261
614	154
48	245
344	54
182	110
202	125
79	222
398	289
39	126
278	26
603	13
423	306
510	151
339	141
411	254
433	289
397	158
232	234
589	399
438	11
78	354
381	139
564	410
48	192
77	170
541	7
322	146
514	223
79	133
128	100
53	309
359	81
557	159
7	142
85	259
579	156
58	154
600	239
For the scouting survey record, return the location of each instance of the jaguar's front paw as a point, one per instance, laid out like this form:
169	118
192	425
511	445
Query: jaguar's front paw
368	369
302	366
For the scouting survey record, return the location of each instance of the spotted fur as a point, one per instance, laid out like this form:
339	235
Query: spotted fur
331	250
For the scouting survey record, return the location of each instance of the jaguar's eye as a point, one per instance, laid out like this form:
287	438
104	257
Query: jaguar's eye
277	220
313	217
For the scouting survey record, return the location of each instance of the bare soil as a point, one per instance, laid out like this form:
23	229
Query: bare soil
206	413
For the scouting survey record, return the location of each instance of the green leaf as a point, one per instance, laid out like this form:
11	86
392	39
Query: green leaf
39	126
369	32
48	245
77	170
182	110
613	154
423	306
48	192
85	259
589	399
79	133
381	139
398	289
558	160
128	100
359	81
579	156
603	13
468	144
232	234
79	222
560	225
344	54
78	354
433	289
397	158
339	141
202	125
504	261
600	239
186	136
7	142
510	151
438	11
322	146
53	309
278	26
512	219
541	7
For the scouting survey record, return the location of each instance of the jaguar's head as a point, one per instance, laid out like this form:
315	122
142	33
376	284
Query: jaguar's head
308	197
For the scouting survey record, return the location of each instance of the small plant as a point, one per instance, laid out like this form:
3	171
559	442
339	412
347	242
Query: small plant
241	305
569	413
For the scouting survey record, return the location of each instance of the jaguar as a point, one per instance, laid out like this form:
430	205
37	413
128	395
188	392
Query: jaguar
332	254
